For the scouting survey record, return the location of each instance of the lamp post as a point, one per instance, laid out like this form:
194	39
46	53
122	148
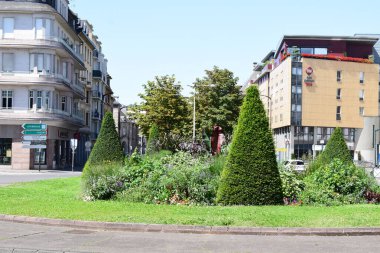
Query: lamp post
269	108
194	107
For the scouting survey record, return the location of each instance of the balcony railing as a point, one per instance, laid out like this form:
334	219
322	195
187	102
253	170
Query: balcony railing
51	41
97	73
40	76
43	113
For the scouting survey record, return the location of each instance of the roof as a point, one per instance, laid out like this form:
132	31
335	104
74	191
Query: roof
365	39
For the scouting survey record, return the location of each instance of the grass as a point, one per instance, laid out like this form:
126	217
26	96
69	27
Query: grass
60	198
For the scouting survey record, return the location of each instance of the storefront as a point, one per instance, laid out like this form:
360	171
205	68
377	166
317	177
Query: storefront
5	151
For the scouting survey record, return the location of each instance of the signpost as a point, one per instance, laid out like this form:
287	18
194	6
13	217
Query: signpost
34	137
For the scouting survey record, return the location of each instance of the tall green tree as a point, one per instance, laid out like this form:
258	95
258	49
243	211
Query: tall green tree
250	175
218	99
163	105
107	147
154	136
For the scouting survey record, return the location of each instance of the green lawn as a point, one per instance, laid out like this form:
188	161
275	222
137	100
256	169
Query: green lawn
59	198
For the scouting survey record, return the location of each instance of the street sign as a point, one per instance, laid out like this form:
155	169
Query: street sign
34	137
26	142
34	146
29	126
33	132
88	146
73	144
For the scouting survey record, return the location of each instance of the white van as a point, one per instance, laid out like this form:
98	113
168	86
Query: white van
297	165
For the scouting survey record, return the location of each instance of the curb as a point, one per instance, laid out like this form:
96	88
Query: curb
141	227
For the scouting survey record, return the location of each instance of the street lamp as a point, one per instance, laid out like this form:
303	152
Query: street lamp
194	107
269	108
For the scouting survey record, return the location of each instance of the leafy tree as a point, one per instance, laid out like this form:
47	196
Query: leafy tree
250	175
107	147
162	104
218	99
154	135
336	148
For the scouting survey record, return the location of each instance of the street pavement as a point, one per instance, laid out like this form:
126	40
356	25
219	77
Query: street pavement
17	237
17	176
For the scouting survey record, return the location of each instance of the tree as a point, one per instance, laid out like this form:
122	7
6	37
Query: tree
218	99
250	175
107	147
162	104
336	148
154	135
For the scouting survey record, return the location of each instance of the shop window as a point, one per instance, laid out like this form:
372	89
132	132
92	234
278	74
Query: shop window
40	157
5	151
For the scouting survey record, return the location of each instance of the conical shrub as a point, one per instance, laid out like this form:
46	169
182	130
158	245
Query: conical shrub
107	148
250	175
336	148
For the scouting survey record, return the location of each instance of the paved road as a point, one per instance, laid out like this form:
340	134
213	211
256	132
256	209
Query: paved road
10	177
30	238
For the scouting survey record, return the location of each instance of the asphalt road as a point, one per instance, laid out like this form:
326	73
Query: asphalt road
30	238
11	177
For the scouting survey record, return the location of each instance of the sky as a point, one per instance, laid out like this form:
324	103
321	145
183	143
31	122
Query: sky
147	38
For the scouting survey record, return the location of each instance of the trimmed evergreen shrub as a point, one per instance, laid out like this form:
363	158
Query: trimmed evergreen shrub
154	135
336	148
107	147
250	175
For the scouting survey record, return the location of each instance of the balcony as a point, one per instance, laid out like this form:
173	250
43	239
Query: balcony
96	115
97	74
43	77
42	114
96	94
49	2
66	48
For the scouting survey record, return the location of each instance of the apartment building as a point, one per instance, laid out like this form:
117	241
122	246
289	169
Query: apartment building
46	74
312	84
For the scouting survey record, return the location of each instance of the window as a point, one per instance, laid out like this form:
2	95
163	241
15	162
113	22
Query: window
87	118
338	93
361	111
307	50
320	51
64	69
339	75
6	99
40	157
338	113
8	62
36	61
39	99
63	103
297	71
43	28
5	151
361	77
31	99
361	95
8	28
47	100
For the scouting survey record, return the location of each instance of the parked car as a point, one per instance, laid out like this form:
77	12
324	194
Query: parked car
297	165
